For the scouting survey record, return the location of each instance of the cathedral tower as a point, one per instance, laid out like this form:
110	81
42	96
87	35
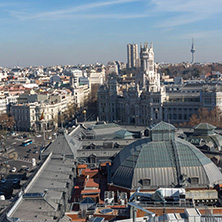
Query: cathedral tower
150	79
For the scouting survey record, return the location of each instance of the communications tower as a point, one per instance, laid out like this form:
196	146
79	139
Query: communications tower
193	51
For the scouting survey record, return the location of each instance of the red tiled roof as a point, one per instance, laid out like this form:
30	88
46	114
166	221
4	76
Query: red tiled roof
93	191
91	171
82	166
90	183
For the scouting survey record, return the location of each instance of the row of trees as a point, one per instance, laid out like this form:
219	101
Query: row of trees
66	116
213	117
190	72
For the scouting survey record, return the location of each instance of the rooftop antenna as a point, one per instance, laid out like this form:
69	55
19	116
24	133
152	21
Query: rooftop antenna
193	51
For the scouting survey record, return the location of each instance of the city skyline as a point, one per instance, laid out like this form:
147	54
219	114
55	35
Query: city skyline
60	33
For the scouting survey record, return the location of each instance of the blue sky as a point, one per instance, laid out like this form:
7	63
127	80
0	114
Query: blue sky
50	32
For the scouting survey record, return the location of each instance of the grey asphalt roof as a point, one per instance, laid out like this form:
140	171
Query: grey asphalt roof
105	126
110	130
205	126
58	176
98	153
163	126
48	184
53	195
35	210
52	179
123	134
105	133
64	145
62	169
101	142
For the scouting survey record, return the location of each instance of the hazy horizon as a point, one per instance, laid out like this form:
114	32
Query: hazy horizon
85	32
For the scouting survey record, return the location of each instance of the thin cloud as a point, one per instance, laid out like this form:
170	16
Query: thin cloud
7	4
179	20
64	12
100	16
201	34
195	6
189	11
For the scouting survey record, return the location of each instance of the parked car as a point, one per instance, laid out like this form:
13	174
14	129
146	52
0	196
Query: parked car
16	180
14	169
3	180
27	169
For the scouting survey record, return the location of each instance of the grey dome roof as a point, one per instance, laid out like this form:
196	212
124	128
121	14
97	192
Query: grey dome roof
163	162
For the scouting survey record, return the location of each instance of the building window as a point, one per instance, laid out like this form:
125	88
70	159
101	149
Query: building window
207	100
194	180
146	182
156	100
174	116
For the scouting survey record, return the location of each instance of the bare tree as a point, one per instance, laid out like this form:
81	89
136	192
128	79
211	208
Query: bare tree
7	122
212	117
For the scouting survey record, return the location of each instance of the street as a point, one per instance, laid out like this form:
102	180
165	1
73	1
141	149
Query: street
20	157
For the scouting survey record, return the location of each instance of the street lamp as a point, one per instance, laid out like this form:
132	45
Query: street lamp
84	113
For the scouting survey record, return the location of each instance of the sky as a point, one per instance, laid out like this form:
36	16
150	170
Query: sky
61	32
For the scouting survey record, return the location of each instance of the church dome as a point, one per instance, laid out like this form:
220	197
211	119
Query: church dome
163	161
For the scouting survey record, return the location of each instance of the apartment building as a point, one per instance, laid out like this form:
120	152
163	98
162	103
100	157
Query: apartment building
40	112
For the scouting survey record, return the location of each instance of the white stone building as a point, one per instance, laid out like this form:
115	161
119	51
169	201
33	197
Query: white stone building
81	95
81	92
96	77
146	101
37	113
112	68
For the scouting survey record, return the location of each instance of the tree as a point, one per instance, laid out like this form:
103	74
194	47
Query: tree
212	117
7	122
94	91
71	110
204	114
